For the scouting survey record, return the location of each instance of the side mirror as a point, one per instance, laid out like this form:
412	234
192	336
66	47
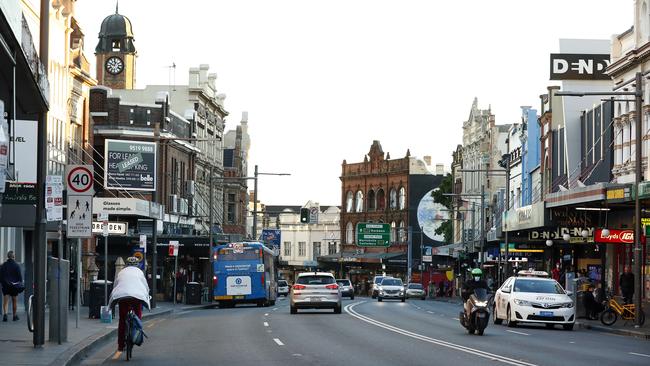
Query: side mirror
569	293
506	290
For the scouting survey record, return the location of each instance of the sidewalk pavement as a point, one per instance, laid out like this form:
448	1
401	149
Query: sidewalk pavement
16	345
621	327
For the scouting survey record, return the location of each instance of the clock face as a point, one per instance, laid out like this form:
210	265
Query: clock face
114	65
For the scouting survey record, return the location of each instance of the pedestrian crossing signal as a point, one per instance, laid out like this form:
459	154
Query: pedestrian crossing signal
304	215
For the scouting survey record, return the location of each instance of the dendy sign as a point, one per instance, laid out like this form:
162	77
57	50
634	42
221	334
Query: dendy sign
574	66
130	165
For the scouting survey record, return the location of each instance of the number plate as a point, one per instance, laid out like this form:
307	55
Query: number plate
545	313
315	299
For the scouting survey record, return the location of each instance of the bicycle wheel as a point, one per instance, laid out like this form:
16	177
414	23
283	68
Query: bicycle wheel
608	317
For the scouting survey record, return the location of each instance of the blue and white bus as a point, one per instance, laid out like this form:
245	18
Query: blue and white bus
244	273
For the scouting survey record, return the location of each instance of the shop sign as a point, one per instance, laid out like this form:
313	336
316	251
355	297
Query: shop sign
570	218
619	194
644	190
615	236
575	66
527	217
521	248
558	234
121	206
114	228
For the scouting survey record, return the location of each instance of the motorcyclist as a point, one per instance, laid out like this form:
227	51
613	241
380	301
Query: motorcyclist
475	281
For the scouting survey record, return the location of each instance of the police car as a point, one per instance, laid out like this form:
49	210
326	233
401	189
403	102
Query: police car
532	297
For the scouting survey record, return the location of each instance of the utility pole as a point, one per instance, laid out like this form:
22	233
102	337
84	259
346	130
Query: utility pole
39	243
255	206
481	254
210	239
637	204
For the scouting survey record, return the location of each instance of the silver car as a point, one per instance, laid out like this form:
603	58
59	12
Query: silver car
347	290
415	290
391	288
315	290
283	288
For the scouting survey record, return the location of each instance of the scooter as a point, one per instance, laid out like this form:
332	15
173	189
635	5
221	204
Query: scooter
479	316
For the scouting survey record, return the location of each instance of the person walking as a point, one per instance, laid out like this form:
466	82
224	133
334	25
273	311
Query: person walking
627	285
12	284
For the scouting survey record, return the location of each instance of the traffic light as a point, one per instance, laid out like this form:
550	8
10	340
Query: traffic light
304	215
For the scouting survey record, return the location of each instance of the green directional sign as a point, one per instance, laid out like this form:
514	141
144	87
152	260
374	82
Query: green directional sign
373	235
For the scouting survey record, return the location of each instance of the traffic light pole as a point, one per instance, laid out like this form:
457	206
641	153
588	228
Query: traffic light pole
255	206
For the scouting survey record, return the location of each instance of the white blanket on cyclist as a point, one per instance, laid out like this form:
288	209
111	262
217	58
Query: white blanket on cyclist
130	282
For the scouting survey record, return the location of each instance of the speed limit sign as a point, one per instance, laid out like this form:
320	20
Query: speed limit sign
79	180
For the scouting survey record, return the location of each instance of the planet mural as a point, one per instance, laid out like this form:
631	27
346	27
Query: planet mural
431	215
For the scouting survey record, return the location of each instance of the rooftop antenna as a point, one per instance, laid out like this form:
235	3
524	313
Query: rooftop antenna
171	83
117	4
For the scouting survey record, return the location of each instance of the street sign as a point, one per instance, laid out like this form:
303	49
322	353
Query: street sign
114	228
130	165
105	228
80	217
373	235
54	197
173	248
313	215
79	179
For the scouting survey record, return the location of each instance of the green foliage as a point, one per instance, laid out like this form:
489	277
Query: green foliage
446	186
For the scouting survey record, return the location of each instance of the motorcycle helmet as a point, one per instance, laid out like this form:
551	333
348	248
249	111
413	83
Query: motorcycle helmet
477	274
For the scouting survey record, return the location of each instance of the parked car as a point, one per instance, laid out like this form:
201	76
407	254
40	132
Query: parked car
532	299
347	290
315	290
415	290
283	288
391	288
375	285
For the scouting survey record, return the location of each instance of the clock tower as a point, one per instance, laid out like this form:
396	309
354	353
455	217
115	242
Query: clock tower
116	53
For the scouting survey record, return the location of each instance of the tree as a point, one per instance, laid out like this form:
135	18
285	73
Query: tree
446	186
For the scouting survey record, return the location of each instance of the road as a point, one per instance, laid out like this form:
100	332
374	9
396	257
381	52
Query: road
367	333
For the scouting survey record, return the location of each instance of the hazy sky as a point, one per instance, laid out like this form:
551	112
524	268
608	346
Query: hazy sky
322	79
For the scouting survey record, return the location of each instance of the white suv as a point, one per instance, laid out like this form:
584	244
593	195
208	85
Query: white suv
315	290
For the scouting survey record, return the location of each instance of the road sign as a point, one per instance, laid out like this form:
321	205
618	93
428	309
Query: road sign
79	179
80	217
105	228
114	228
173	248
373	235
313	215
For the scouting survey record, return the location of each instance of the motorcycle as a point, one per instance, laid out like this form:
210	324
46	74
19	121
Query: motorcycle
479	316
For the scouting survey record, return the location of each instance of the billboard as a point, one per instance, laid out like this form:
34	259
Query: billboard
130	165
424	212
271	238
574	66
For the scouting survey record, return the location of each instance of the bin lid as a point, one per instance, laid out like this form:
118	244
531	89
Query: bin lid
102	282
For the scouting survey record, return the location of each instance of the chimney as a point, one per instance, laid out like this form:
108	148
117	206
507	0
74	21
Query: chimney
203	73
194	77
212	81
427	160
440	169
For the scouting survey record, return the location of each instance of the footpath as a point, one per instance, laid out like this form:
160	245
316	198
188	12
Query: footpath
621	327
16	342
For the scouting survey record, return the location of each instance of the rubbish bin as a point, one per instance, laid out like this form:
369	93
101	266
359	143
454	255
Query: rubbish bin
97	300
193	293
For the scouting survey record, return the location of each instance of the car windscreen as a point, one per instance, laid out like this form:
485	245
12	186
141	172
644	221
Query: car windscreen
315	280
343	282
378	280
415	286
391	282
537	286
282	283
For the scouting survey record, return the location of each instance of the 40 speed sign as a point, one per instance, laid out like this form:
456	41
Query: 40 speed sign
79	180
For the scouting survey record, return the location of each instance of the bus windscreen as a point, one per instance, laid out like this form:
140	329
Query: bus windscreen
246	255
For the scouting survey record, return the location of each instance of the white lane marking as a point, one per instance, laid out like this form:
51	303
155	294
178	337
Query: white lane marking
278	341
274	309
456	319
184	312
514	331
267	314
491	356
639	354
266	324
430	312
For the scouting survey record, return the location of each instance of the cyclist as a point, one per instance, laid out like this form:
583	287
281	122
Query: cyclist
130	291
475	281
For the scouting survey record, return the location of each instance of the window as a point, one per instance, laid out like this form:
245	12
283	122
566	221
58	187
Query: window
402	198
349	201
287	248
302	249
381	200
359	202
393	198
331	248
393	229
402	232
231	208
116	45
349	233
316	249
372	204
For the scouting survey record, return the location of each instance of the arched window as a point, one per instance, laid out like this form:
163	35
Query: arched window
393	199
349	233
393	229
349	202
381	200
359	202
402	232
372	204
402	198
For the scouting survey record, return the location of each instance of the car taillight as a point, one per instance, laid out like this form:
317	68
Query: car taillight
298	287
332	287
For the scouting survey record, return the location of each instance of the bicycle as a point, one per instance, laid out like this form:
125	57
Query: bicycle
614	309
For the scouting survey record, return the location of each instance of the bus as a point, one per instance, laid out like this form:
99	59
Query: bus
244	273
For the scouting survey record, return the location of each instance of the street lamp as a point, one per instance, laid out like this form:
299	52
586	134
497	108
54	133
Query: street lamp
638	95
255	200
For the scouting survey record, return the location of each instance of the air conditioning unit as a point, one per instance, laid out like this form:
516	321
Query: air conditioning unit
182	206
190	188
173	203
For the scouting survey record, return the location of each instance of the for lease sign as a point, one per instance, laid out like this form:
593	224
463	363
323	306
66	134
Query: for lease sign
130	165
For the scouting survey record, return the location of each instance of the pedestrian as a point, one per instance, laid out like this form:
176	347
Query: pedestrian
592	307
130	291
12	284
555	272
627	285
441	289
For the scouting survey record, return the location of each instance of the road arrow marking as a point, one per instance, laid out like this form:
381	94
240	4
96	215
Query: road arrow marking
266	324
278	341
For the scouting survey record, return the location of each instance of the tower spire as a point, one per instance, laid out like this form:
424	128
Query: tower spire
117	4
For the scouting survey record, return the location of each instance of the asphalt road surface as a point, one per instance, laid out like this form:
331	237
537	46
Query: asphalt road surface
367	333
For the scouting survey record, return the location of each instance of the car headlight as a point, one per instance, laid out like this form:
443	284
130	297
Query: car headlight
567	305
522	302
481	303
401	292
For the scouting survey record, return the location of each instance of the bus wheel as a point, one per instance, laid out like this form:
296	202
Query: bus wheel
260	304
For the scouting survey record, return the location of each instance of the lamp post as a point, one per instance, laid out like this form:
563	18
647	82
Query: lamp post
638	94
257	173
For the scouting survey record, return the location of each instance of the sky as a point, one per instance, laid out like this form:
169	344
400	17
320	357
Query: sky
322	79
